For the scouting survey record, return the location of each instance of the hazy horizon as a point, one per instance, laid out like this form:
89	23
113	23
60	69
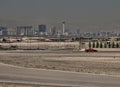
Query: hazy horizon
86	15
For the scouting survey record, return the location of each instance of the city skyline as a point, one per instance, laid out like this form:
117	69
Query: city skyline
86	15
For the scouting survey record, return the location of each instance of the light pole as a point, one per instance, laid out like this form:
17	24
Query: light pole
80	43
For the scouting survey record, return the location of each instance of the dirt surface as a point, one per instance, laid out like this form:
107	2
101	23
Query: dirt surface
22	85
69	61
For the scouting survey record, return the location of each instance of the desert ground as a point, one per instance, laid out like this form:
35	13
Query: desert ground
66	60
61	56
21	85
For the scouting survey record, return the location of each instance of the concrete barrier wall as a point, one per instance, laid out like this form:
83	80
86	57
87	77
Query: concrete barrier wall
52	45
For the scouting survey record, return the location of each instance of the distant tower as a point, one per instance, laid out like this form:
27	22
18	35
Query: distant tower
53	30
42	28
78	32
63	24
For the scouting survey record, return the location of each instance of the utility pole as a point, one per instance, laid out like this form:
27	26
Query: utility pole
80	43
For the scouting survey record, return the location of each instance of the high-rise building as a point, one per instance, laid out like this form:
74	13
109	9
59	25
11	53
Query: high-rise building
63	25
3	31
78	32
53	31
42	29
24	31
11	32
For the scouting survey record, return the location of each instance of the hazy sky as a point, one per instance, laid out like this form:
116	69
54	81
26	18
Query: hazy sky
87	15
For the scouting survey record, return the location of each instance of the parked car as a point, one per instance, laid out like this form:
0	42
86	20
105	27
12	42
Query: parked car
90	50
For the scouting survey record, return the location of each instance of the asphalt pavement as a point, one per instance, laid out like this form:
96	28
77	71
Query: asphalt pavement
14	74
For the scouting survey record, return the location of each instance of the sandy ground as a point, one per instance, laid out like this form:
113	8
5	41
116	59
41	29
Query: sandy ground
22	85
66	61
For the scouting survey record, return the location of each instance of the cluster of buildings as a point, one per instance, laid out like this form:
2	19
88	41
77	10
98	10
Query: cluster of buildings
53	32
30	31
23	31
